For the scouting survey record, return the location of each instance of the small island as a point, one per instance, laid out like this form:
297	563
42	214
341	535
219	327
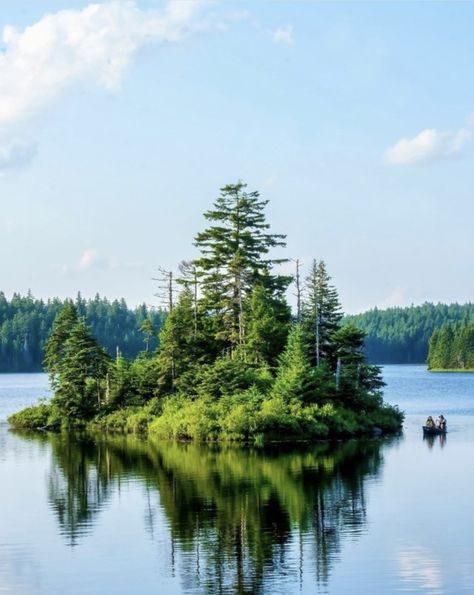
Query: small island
233	362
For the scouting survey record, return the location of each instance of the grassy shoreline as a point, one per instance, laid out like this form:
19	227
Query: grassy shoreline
225	420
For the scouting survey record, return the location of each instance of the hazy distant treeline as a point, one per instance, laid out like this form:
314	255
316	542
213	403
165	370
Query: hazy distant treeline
25	323
401	335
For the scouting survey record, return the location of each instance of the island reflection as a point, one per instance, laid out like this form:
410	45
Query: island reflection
238	518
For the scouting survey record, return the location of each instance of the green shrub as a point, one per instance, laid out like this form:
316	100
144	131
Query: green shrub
36	417
30	418
113	422
184	419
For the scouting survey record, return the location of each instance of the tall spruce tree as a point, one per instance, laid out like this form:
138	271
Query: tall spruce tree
234	258
321	312
55	348
81	370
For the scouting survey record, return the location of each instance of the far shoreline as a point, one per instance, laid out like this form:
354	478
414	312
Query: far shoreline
452	370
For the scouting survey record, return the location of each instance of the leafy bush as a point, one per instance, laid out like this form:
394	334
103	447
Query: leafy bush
43	416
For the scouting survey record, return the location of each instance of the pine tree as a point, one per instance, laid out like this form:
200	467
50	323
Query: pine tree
55	349
266	328
295	378
178	350
148	331
81	373
357	382
234	257
321	312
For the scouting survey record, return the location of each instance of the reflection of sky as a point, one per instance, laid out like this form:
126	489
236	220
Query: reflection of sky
18	571
420	570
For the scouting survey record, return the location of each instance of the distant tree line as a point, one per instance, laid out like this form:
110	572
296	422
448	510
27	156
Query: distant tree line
402	335
452	348
26	322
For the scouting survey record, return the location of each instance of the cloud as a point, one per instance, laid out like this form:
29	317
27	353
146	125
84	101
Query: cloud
283	35
75	48
87	260
397	297
16	153
91	259
429	144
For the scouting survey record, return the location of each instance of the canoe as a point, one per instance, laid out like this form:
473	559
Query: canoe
434	431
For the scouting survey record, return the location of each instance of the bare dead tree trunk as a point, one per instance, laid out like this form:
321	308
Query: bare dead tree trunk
165	287
298	290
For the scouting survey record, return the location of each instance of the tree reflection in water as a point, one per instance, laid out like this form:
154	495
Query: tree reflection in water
236	516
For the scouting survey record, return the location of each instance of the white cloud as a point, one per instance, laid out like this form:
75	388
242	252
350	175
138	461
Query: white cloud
283	35
397	297
427	145
74	48
87	260
91	259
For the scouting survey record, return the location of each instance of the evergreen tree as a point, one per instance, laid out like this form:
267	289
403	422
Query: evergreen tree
148	331
402	335
357	382
234	257
321	312
452	347
55	349
295	377
178	349
80	375
266	327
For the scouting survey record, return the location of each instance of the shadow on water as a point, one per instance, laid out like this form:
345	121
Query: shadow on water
237	518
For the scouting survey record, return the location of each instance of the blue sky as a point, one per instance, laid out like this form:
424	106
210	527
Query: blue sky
119	122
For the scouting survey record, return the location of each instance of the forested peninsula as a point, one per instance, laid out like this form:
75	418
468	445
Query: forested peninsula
402	335
452	348
26	323
233	361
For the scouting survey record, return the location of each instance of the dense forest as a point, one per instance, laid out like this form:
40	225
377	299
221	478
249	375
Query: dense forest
233	362
401	335
452	348
26	322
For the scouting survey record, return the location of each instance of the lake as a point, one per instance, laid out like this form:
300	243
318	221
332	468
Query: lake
83	515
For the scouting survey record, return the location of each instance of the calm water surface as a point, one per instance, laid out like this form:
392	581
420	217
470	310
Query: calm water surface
98	516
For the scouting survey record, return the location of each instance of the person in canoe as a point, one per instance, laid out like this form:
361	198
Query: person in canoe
441	422
430	422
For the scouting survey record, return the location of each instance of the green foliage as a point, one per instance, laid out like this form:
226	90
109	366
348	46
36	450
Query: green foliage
452	348
234	259
266	328
26	323
31	418
230	365
179	345
55	350
228	376
294	379
77	366
401	335
321	313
